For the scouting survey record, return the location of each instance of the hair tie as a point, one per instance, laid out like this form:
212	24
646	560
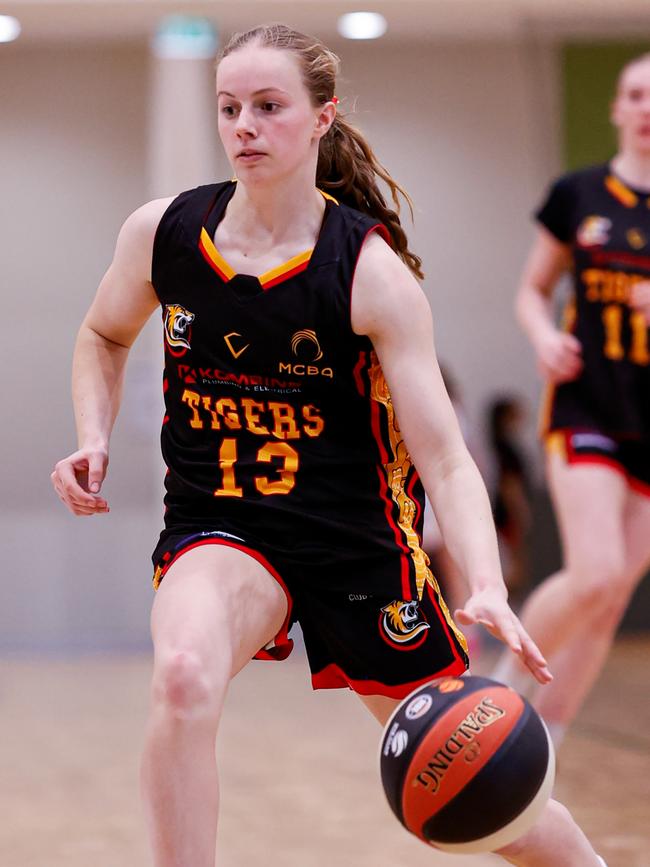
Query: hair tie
335	100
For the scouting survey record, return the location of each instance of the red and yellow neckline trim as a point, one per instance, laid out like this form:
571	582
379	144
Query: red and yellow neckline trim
269	278
622	192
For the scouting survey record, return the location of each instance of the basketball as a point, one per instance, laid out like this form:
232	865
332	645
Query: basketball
467	764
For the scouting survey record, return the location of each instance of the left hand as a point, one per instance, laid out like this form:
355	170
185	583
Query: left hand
490	608
640	298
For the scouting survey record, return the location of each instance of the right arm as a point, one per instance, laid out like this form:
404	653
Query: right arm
124	301
558	353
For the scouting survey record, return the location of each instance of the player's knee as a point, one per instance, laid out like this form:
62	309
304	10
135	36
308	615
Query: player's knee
186	688
554	817
599	584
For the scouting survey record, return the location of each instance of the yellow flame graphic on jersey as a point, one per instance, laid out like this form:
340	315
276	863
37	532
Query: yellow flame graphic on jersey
397	471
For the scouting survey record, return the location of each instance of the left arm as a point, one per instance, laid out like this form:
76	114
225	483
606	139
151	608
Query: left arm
390	308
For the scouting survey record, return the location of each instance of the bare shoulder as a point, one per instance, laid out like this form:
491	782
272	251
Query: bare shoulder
135	241
147	217
125	297
384	292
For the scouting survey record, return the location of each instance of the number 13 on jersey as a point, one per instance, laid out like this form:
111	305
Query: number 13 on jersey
286	473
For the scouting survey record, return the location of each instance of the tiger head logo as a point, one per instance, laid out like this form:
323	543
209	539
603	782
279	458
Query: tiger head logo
177	322
594	231
403	625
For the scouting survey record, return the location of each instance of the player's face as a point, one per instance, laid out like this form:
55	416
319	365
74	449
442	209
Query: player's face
631	109
267	124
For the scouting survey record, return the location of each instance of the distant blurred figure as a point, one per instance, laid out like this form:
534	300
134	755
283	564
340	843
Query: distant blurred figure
511	490
595	225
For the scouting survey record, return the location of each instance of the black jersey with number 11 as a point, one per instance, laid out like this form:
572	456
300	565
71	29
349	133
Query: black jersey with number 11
607	226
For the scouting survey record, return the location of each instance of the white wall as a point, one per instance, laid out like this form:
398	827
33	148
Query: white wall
468	130
471	132
72	166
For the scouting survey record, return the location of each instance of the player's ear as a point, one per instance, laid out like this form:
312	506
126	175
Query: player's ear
325	118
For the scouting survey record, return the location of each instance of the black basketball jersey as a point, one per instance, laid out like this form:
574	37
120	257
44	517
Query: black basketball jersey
607	225
277	413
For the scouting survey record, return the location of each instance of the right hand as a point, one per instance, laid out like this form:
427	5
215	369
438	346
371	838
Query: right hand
559	356
490	608
78	478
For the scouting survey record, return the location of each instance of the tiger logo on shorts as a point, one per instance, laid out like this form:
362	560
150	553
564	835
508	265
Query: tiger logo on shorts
403	625
177	323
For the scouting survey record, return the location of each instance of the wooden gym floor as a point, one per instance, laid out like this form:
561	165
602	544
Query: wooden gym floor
298	769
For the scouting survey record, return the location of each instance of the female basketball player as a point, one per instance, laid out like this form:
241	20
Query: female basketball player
290	492
595	223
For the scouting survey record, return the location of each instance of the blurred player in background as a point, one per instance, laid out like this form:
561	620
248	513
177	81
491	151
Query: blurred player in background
595	223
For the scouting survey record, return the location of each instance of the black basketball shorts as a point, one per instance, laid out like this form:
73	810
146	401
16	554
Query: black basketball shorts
630	458
365	624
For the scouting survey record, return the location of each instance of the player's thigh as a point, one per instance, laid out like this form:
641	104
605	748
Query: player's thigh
637	535
218	604
380	706
589	502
